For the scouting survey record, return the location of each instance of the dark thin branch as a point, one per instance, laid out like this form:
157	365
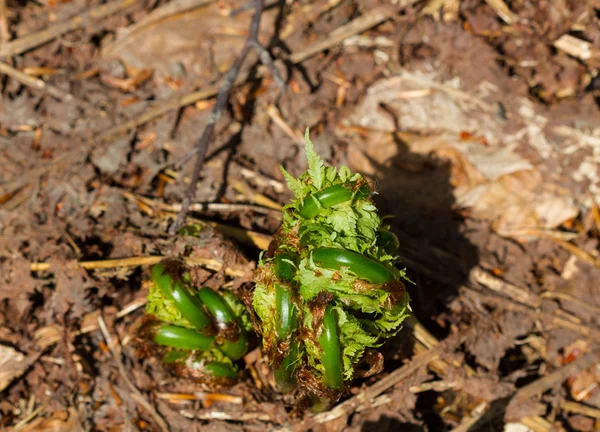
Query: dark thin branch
250	6
219	108
267	60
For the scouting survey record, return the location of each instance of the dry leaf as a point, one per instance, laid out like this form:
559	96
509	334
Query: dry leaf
444	107
59	421
12	365
494	182
197	42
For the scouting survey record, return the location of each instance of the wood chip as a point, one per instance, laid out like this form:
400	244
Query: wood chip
537	424
201	396
574	47
220	415
12	365
502	11
577	408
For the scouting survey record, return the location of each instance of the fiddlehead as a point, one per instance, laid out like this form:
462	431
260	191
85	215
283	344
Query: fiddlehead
327	294
327	290
202	331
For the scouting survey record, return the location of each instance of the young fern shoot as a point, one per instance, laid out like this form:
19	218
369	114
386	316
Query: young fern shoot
327	290
327	294
203	332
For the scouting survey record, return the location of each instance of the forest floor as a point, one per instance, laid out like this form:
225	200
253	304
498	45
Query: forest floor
478	121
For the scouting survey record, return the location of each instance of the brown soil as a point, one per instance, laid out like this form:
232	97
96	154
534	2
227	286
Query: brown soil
477	120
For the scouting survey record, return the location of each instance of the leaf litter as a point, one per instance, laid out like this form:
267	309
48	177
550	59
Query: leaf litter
479	129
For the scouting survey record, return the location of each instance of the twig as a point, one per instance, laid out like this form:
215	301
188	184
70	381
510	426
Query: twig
578	408
33	40
358	25
578	252
39	84
519	295
223	208
424	341
561	296
230	416
135	393
267	60
161	108
206	207
33	414
36	83
51	334
139	261
218	110
473	417
295	135
581	328
208	398
544	384
256	198
503	11
264	181
132	306
250	238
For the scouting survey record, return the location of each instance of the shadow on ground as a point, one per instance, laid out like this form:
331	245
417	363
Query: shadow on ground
415	188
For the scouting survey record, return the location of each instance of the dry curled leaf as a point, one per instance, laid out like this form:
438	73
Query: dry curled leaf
59	421
12	365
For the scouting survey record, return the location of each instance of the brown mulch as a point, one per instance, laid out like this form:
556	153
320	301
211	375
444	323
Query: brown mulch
477	121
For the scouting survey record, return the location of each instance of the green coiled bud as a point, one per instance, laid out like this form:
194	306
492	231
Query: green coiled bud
327	290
